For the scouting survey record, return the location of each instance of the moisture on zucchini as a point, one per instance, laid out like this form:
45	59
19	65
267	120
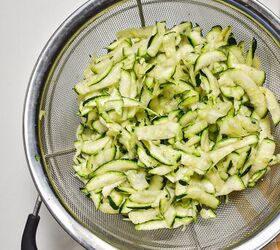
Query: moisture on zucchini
171	122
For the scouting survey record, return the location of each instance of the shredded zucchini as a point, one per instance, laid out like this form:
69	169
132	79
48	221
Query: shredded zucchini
172	121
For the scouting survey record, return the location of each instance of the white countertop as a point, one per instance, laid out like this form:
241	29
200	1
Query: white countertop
25	27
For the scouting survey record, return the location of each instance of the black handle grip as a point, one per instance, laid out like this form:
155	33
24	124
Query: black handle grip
28	241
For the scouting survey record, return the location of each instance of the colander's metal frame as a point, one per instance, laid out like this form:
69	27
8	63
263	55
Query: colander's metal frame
47	58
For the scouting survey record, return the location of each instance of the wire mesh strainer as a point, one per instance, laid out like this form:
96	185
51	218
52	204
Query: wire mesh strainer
248	221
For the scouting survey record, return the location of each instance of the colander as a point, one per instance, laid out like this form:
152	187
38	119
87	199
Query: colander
248	221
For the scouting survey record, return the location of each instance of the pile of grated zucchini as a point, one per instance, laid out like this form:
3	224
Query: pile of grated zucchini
171	123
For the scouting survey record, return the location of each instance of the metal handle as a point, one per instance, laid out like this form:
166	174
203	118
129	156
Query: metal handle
28	241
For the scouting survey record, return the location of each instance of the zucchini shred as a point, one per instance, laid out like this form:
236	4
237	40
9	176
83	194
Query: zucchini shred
172	122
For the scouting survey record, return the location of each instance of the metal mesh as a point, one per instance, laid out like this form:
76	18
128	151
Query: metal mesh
246	211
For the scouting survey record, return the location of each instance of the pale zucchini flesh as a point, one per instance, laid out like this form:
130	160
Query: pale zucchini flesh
171	122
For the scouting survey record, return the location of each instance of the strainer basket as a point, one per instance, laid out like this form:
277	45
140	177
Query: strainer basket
250	219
